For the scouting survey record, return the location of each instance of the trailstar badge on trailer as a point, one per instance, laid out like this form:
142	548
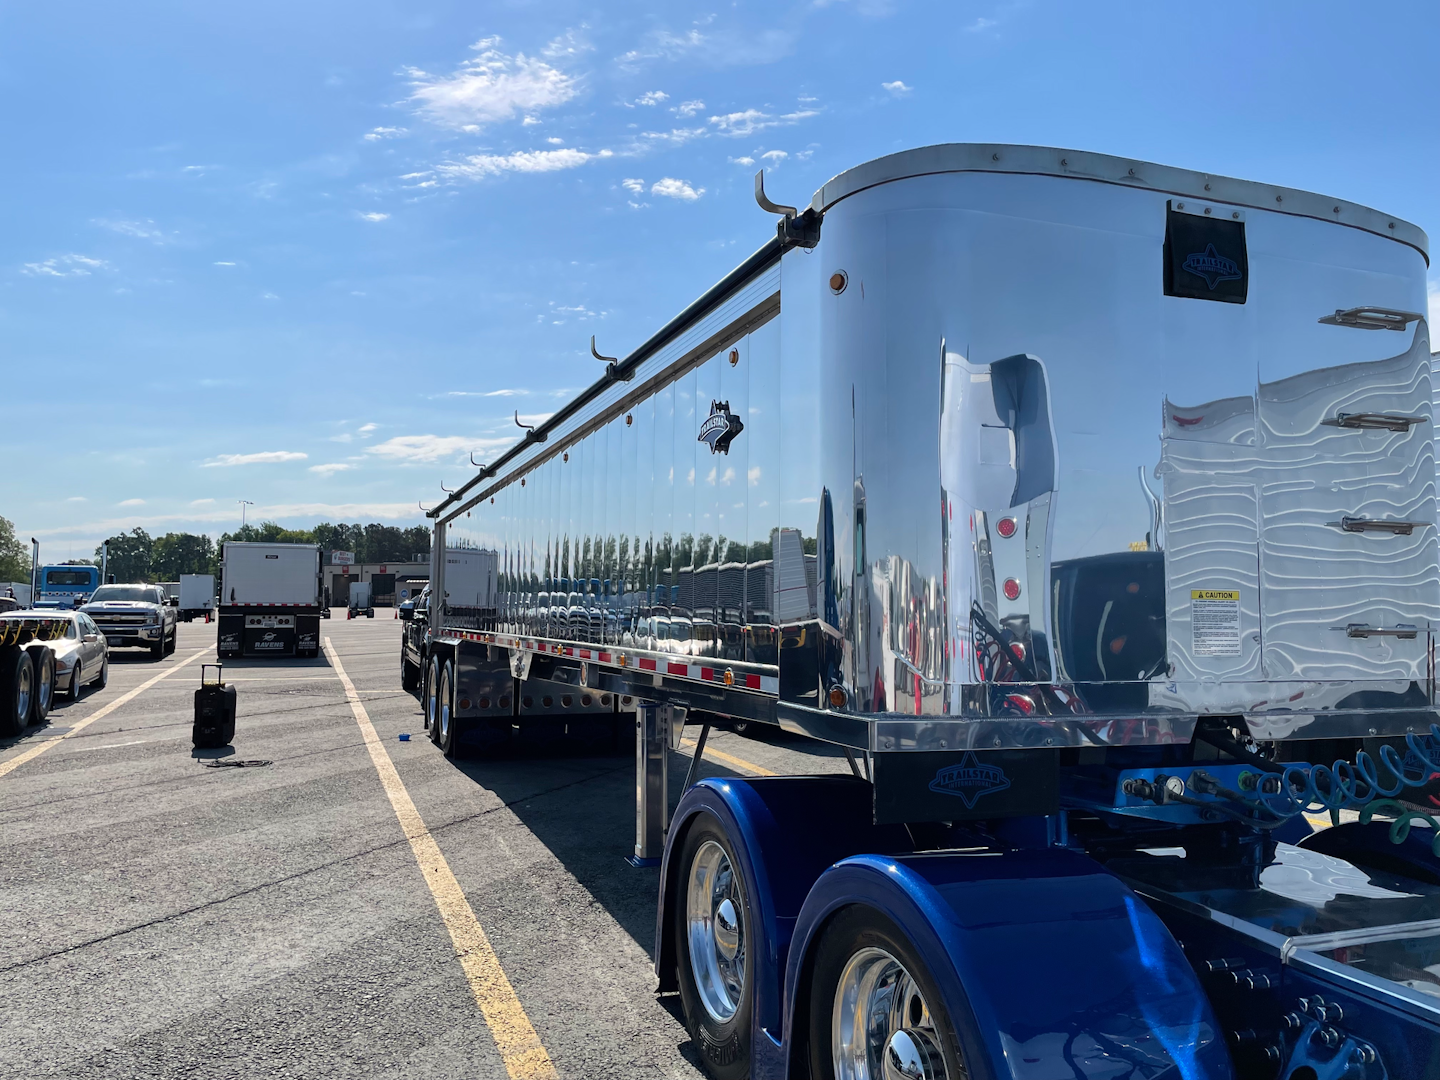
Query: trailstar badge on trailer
269	600
1089	506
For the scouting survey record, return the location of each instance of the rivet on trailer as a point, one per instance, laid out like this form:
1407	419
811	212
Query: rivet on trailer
879	487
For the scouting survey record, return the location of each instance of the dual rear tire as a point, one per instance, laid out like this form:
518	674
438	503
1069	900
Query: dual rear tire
874	1011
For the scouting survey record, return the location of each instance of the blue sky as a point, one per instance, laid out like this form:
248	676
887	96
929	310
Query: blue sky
312	254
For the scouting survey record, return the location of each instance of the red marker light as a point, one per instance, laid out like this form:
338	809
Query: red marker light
1006	528
1012	589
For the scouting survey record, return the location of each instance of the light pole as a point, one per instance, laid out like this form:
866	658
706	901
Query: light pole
243	503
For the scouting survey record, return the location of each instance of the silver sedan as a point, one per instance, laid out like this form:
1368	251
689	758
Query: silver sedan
81	657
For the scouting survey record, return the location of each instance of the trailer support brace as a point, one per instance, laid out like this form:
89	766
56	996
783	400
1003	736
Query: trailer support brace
652	795
695	759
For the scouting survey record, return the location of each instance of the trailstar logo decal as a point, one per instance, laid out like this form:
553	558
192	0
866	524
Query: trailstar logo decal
719	431
1212	266
969	780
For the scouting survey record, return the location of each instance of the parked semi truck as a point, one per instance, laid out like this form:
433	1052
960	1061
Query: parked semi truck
1089	506
197	596
269	600
67	585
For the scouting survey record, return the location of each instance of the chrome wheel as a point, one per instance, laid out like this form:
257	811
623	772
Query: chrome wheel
442	707
24	688
881	1027
715	930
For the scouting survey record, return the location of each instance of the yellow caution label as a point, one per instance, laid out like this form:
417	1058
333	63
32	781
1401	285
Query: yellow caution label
1214	594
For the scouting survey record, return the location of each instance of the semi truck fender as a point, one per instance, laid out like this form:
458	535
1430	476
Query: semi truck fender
786	830
1042	960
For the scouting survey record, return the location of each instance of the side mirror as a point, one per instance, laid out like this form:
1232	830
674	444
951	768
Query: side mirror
174	601
90	639
406	613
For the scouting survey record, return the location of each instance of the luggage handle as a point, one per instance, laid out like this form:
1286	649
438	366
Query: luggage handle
219	672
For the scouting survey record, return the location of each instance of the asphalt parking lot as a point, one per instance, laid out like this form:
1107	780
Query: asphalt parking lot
165	918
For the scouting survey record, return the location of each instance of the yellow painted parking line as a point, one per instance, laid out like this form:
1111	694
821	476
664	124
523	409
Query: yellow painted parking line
39	748
515	1037
729	759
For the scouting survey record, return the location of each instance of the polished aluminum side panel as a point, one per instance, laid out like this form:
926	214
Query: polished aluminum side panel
979	484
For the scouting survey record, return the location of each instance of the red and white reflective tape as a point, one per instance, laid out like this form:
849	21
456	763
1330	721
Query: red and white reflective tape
675	669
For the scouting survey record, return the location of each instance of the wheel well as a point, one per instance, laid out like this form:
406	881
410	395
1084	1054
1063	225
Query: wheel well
799	1007
667	955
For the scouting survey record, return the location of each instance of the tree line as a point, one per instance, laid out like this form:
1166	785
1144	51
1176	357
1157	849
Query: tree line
137	556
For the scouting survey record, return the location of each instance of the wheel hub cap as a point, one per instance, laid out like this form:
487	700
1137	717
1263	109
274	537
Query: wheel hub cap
715	931
881	1025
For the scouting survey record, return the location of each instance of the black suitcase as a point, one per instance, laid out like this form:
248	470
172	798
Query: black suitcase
214	711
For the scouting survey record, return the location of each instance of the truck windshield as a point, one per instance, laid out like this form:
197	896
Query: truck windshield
107	593
68	577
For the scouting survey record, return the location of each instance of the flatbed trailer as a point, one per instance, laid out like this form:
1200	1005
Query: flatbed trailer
1089	506
27	669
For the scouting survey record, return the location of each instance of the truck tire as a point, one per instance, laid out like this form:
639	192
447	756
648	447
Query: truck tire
42	661
173	640
715	943
866	960
431	676
442	727
157	651
17	686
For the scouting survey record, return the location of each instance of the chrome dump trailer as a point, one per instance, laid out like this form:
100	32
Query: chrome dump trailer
1089	504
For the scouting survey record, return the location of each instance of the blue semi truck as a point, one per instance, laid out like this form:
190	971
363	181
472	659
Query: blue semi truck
1089	506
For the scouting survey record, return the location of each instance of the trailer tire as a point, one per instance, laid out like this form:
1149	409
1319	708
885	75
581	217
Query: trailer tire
43	662
17	686
430	678
714	924
443	725
861	949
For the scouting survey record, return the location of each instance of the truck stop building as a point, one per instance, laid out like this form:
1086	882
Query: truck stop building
381	576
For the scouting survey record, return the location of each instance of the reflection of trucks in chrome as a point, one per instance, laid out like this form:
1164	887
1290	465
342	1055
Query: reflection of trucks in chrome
269	600
1092	717
197	596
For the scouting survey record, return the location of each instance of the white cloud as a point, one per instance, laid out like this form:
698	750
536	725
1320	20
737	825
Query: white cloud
689	108
224	264
327	471
739	124
376	134
418	448
268	296
652	97
896	88
140	230
201	502
365	429
775	156
555	140
375	215
979	25
531	121
570	43
676	189
77	498
131	502
754	475
633	185
675	136
742	161
65	266
481	393
492	87
264	457
662	44
479	166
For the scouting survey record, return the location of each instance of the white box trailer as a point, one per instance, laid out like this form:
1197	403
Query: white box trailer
1093	503
197	596
270	600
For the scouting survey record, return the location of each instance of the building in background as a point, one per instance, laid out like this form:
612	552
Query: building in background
340	574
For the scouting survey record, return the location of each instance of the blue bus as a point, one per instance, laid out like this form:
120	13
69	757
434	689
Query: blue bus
66	584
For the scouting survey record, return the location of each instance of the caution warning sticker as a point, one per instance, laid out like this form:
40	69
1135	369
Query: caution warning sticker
1215	622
